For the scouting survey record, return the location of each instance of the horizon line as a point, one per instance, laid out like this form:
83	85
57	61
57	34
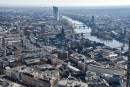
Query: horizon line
64	6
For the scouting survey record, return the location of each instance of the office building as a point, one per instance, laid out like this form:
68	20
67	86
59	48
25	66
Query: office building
55	13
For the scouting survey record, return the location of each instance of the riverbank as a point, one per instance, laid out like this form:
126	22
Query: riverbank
111	43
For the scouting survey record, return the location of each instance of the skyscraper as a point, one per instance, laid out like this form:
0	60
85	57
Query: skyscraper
55	13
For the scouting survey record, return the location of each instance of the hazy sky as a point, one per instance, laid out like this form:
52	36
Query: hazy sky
65	2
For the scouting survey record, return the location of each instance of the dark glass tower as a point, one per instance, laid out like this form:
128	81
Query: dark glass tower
55	13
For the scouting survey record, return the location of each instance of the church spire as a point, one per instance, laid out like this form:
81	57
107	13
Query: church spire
62	32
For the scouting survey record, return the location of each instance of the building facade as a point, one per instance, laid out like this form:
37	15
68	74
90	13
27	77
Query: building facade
55	13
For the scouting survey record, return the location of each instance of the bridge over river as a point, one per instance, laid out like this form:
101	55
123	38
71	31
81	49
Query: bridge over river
86	31
79	26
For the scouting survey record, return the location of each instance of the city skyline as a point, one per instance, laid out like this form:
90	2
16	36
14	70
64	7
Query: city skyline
64	3
57	46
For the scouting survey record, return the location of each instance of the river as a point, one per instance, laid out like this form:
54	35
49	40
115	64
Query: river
111	43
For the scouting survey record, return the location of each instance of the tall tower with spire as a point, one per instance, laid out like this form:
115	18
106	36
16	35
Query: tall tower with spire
62	33
125	30
92	19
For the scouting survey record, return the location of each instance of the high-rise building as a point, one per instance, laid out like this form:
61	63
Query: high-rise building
128	68
55	13
92	19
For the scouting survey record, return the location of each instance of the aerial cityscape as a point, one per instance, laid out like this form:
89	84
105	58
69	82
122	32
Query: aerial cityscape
64	45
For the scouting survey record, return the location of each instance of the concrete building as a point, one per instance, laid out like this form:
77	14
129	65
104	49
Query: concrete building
114	80
96	81
71	82
2	52
6	83
56	61
63	54
75	57
1	39
32	77
90	74
107	70
82	66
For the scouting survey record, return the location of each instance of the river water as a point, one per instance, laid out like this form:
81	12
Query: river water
111	43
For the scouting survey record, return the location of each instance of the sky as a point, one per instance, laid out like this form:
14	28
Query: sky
64	2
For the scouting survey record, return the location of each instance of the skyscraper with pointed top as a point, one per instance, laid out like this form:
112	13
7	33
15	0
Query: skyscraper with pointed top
92	19
62	33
